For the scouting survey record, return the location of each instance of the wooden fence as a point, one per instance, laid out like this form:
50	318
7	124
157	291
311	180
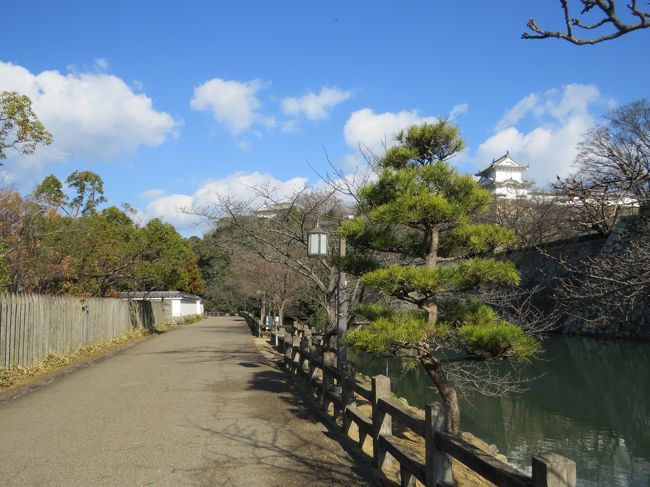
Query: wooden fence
33	326
339	388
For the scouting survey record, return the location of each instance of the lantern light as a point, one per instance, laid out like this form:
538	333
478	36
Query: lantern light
317	242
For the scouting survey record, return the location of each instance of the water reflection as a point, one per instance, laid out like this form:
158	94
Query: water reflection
592	404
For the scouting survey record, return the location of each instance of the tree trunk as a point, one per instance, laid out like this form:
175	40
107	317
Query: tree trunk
431	257
434	370
281	313
432	312
431	261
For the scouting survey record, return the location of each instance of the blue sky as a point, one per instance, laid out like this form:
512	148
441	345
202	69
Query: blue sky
171	102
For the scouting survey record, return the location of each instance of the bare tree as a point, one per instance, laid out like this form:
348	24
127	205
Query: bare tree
281	285
609	287
535	220
602	15
613	169
277	233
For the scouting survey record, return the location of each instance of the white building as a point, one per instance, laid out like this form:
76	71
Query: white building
504	177
271	210
175	304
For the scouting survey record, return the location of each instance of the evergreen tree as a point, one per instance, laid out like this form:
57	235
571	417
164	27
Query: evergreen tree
422	210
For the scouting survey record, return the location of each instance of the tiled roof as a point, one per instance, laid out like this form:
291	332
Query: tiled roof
157	295
497	162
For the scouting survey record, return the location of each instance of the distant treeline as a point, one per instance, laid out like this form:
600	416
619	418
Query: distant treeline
58	241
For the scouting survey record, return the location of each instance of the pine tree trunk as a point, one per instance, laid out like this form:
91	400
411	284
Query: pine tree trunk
434	370
431	258
431	261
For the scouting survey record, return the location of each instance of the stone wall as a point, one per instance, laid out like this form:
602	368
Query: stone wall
538	269
632	322
542	270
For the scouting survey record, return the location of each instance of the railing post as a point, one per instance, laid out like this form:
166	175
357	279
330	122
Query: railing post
304	360
348	377
407	479
438	463
286	349
329	358
295	345
381	422
553	470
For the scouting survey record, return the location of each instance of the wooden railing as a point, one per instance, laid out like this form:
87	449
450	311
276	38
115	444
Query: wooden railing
340	388
252	321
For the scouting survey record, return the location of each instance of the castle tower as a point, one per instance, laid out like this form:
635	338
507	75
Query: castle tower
504	178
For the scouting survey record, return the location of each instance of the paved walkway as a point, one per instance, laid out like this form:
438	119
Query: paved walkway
195	406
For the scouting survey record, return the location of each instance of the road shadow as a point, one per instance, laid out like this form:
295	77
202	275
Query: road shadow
292	455
208	354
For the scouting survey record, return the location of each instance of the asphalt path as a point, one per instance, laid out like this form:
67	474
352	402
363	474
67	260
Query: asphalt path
195	406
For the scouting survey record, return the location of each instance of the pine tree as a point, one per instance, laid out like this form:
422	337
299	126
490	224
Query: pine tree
422	210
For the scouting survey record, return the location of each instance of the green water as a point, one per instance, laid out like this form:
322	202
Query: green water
592	404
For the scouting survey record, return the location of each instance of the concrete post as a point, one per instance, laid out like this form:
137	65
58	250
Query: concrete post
329	359
438	463
295	345
553	470
348	375
381	422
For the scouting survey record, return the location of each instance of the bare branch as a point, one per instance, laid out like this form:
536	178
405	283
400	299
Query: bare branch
609	17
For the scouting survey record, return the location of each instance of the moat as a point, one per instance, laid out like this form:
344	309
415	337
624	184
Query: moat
590	402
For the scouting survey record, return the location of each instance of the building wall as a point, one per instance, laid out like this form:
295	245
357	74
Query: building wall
509	192
503	175
176	307
187	307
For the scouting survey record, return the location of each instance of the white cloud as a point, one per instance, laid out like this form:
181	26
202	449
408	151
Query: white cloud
373	131
524	106
458	110
560	118
102	63
91	115
239	185
232	103
152	194
290	126
314	106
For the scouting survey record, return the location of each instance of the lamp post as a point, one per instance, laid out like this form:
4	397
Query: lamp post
317	247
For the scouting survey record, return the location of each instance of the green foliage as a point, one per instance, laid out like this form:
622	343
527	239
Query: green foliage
50	192
424	144
221	293
389	333
20	128
93	252
475	239
90	191
421	207
86	186
374	311
354	263
165	256
418	283
484	334
424	196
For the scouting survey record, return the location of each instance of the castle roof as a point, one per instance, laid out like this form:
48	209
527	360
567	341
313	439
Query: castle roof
503	162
